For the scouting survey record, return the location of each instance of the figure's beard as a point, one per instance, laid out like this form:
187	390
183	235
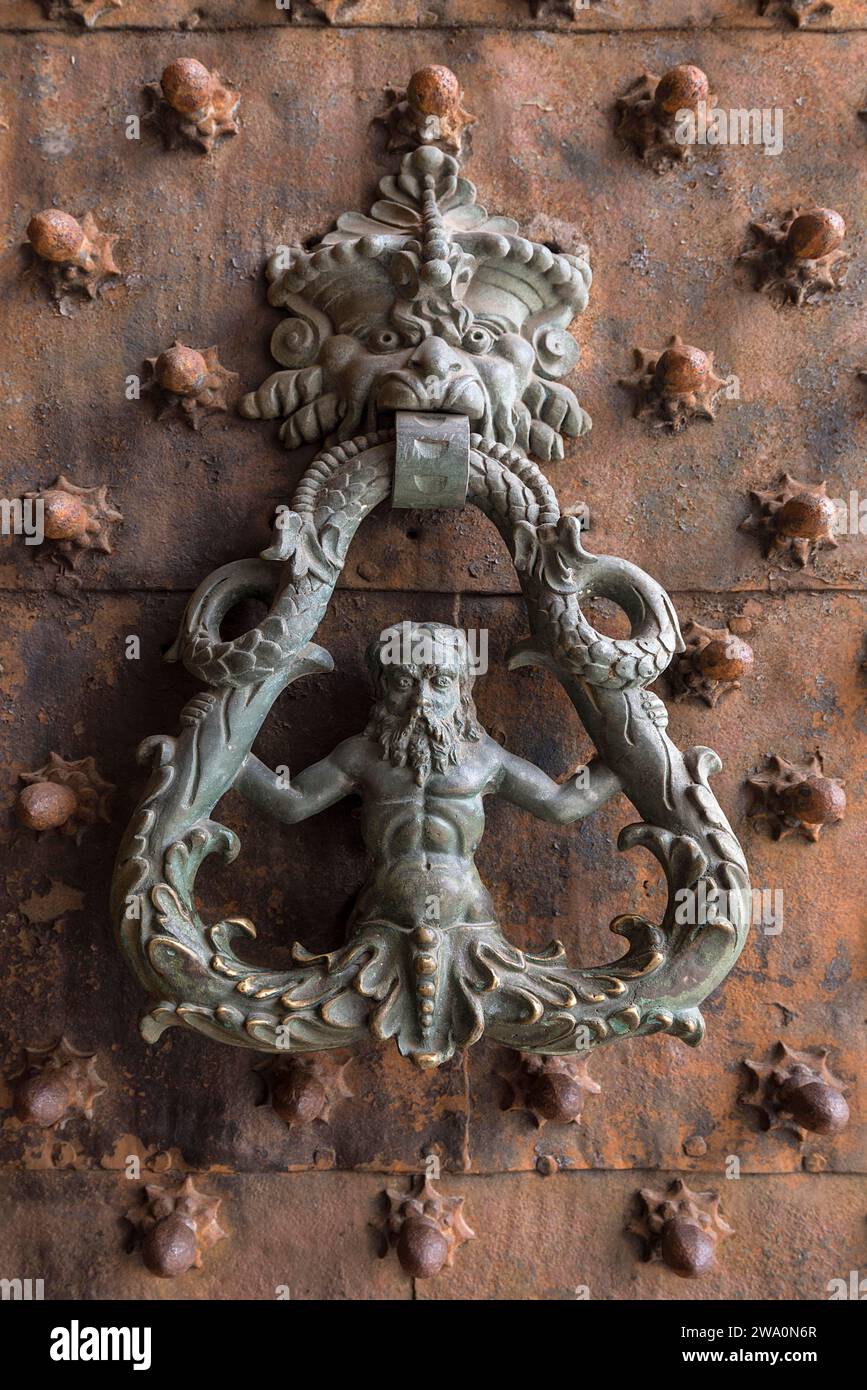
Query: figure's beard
421	742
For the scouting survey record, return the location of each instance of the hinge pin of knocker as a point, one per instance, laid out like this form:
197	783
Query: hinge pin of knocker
431	460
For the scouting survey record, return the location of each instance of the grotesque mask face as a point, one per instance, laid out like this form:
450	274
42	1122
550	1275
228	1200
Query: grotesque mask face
428	304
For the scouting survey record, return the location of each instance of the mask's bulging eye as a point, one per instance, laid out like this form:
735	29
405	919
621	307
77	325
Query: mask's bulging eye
384	340
478	339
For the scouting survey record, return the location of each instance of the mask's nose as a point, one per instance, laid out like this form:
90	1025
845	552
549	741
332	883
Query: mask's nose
434	359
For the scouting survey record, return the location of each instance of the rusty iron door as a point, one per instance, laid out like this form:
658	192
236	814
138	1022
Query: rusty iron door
723	363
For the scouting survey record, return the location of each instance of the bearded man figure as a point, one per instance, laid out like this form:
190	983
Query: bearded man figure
422	768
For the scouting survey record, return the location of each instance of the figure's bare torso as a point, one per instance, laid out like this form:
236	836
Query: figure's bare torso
422	839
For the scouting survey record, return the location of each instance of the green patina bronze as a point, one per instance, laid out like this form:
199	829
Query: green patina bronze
426	306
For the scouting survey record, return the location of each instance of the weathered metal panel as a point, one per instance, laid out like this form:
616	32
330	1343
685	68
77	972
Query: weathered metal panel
519	15
193	231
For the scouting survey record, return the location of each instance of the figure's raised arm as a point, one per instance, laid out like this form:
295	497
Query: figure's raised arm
313	790
527	786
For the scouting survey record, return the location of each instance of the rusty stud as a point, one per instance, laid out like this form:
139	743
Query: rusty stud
815	801
76	519
72	255
550	1089
794	518
681	370
191	379
725	659
557	1096
421	1248
797	257
169	1248
796	797
809	515
187	85
815	234
433	90
191	104
42	1099
65	795
181	370
681	89
57	236
800	12
814	1105
303	1090
425	1228
65	517
54	1082
176	1227
298	1098
797	1091
88	11
45	805
713	662
648	109
429	112
686	1248
680	1228
674	386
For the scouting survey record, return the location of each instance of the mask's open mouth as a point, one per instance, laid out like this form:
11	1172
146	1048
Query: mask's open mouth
459	395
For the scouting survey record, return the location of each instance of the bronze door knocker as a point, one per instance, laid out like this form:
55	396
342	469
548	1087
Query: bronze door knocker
447	326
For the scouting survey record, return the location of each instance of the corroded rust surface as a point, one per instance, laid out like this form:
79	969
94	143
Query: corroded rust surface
192	237
316	1236
501	14
192	233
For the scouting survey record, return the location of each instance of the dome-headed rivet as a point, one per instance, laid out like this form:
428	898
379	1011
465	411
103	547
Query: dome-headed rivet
796	797
72	255
298	1098
551	1089
681	89
429	112
57	236
680	1228
181	370
421	1248
425	1227
191	104
725	659
169	1249
45	805
65	517
43	1099
795	518
55	1081
176	1227
187	85
816	233
433	90
649	108
190	379
686	1248
674	386
815	1105
797	256
796	1090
